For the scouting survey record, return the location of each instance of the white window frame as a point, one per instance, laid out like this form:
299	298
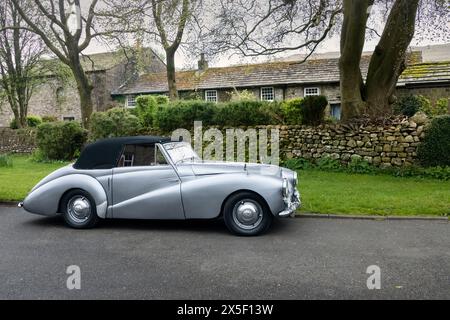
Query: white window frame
261	93
131	97
215	94
306	94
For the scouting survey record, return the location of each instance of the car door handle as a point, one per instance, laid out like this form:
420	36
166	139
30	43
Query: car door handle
173	180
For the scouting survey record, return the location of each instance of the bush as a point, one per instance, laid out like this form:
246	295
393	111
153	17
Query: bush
60	140
329	164
410	105
242	95
183	113
298	164
248	113
360	166
440	108
34	121
292	111
49	119
312	110
116	122
13	124
435	148
5	160
146	107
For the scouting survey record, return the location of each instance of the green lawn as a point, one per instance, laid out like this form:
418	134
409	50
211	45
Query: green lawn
322	192
343	193
17	181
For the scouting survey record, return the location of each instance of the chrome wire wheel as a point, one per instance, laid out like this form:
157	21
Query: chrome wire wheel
247	214
79	209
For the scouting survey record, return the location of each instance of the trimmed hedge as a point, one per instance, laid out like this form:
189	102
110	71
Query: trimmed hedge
183	113
116	122
435	148
60	140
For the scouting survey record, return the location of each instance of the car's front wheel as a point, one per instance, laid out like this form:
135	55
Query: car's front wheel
247	214
79	209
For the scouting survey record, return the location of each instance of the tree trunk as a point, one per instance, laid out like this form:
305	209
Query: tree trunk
389	58
352	43
85	89
171	80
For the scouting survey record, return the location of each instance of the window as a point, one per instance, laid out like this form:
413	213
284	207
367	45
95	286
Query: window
311	91
267	94
137	155
335	111
68	118
131	101
211	95
141	155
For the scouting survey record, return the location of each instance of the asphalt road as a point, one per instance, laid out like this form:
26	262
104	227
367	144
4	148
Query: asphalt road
303	258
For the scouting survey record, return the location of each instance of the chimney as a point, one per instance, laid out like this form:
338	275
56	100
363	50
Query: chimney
202	63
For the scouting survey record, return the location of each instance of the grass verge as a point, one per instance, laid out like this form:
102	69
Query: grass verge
322	192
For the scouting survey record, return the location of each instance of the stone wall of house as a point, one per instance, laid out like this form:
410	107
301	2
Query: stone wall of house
433	93
391	145
17	141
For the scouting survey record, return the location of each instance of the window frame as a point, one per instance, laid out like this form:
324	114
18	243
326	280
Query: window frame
261	94
127	101
216	95
305	94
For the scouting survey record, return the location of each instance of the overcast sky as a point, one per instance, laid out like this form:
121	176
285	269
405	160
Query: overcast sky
183	61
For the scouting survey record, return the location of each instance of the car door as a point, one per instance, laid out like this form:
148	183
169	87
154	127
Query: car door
145	185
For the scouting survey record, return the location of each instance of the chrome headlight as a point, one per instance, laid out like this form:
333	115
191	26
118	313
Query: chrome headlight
285	188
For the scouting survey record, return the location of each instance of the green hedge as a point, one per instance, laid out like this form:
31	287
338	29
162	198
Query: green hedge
60	140
312	110
292	111
32	122
183	113
410	105
146	107
116	122
435	148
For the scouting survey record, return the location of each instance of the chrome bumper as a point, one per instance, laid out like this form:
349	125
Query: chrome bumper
292	205
20	205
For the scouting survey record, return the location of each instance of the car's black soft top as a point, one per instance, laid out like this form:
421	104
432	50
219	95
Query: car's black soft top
104	154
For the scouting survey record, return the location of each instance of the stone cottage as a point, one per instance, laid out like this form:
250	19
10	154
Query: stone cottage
274	81
58	96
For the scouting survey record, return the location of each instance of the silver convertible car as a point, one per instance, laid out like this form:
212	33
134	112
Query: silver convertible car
154	178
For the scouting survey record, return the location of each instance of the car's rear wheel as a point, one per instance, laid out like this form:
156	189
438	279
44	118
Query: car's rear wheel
247	214
79	210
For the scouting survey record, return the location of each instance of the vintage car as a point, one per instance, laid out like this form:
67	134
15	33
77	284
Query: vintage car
155	178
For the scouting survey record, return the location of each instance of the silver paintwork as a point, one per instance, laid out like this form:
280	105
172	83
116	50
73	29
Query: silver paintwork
191	189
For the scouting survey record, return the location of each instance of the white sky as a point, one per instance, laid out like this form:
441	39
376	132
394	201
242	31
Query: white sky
183	61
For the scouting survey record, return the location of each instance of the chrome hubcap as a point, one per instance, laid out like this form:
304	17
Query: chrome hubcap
79	209
247	214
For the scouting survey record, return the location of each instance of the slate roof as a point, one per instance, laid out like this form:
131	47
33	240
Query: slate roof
97	61
276	73
426	72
